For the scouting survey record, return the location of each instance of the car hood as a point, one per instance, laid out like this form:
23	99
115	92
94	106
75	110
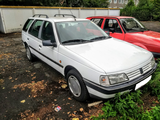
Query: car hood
151	35
111	55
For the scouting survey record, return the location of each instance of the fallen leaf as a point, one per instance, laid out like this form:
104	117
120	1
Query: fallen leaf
55	99
33	74
34	78
69	98
81	109
51	92
32	115
23	101
75	118
86	119
68	112
85	113
64	86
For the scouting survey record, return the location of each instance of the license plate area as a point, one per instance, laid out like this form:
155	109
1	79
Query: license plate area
142	83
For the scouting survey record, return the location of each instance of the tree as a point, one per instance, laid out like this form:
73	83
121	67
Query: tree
128	9
86	3
143	3
95	3
156	13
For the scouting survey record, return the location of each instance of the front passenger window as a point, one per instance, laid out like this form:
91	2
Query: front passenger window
34	30
47	32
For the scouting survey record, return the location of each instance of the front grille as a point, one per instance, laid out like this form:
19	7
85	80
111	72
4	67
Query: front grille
136	73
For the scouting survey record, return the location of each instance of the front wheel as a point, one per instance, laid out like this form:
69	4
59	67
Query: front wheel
77	86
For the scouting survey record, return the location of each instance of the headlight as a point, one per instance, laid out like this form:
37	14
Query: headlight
113	79
152	62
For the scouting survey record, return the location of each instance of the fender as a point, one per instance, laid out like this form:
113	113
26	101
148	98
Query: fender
140	45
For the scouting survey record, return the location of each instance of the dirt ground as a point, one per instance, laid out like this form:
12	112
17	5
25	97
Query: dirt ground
32	90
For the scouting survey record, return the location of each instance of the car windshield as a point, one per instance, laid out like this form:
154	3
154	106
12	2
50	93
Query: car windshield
77	32
132	25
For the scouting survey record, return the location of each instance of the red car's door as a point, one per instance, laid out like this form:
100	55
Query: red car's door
112	25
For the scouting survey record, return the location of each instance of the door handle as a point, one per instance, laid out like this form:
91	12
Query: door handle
40	46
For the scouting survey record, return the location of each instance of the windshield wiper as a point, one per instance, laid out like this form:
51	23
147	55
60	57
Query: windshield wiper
143	29
99	38
75	40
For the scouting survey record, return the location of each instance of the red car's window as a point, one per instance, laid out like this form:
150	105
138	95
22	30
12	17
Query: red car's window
98	21
112	25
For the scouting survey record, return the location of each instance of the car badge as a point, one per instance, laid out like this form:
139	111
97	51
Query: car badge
141	70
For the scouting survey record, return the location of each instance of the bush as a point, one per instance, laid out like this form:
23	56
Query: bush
142	14
143	11
156	13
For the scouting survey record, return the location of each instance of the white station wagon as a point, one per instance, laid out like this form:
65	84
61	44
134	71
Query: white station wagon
93	63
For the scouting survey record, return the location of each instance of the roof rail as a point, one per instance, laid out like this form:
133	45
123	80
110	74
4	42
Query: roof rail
65	15
40	15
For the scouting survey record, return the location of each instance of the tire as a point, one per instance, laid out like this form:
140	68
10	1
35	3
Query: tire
29	54
77	86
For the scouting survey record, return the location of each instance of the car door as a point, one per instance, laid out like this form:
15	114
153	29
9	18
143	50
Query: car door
49	54
112	26
33	40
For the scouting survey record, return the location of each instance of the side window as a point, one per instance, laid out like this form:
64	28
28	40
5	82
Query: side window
112	25
47	32
98	21
34	29
27	24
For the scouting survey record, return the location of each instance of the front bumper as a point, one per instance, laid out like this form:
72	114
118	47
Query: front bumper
98	91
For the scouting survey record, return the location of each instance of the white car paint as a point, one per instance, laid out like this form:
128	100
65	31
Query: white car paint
92	59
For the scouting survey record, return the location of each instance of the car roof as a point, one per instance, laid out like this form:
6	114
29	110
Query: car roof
59	19
119	17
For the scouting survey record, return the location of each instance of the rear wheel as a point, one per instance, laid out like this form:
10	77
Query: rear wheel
29	54
77	86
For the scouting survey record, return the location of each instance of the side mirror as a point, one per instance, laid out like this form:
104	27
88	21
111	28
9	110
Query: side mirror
49	43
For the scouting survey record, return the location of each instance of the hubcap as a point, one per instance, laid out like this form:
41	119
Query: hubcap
28	53
74	86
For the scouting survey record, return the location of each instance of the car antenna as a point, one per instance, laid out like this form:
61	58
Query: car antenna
72	14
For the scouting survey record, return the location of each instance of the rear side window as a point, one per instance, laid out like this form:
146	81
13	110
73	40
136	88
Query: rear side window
27	24
34	29
98	21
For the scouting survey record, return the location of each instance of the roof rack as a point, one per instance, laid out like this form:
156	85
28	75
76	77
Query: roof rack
65	15
40	15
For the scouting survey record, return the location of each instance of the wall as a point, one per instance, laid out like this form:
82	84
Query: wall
12	18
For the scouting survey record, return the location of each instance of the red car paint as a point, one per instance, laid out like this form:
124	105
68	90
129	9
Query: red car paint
147	39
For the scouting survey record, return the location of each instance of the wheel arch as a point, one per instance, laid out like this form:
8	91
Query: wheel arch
68	68
25	44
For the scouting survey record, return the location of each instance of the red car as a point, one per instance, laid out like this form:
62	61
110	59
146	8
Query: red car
131	30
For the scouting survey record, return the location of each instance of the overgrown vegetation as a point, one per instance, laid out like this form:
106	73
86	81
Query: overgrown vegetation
145	10
129	106
63	3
